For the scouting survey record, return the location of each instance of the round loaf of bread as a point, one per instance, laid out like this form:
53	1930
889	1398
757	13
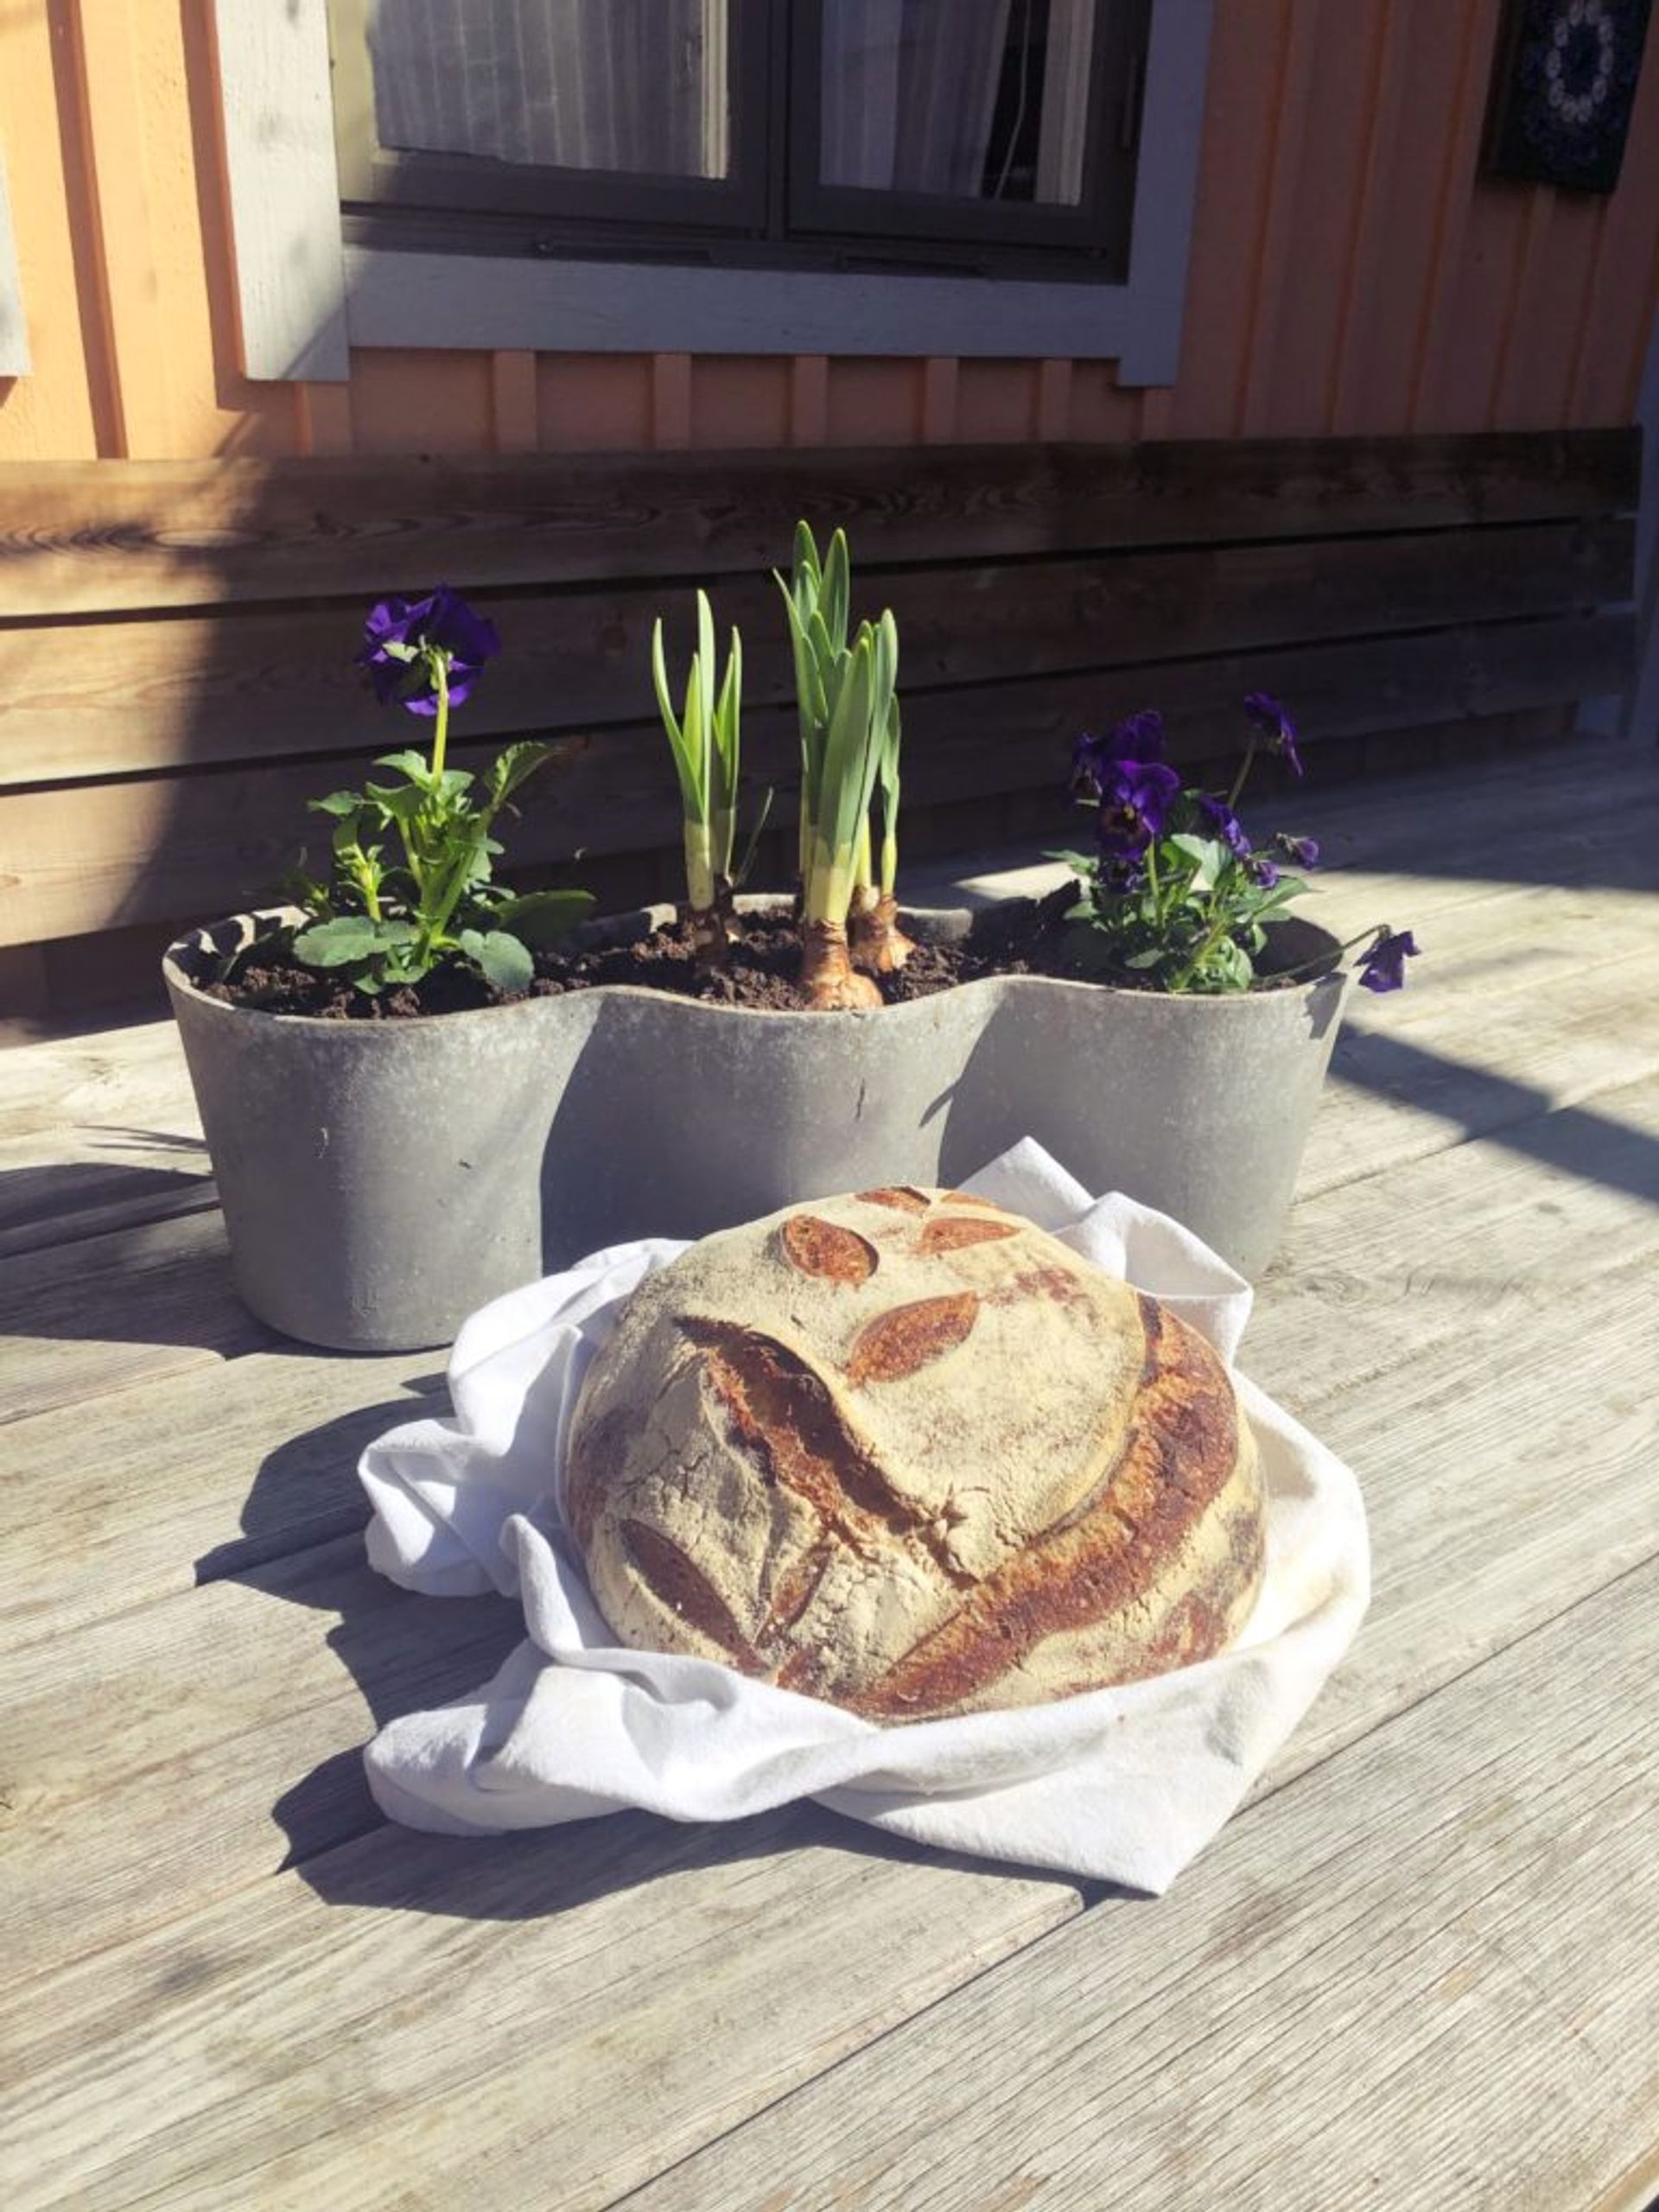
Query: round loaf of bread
905	1451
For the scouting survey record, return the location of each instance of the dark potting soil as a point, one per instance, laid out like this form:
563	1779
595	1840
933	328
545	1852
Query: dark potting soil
1021	938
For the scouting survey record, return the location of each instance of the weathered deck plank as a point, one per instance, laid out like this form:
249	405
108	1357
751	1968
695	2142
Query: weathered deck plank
276	2034
1455	1264
1420	1962
102	1314
97	1131
190	1477
247	1702
1473	1239
1478	1542
1409	1952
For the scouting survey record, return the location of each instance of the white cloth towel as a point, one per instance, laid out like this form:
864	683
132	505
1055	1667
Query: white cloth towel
1124	1785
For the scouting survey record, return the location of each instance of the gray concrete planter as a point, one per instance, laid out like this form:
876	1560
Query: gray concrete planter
382	1179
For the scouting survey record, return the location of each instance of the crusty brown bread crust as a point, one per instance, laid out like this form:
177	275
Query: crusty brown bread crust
905	1451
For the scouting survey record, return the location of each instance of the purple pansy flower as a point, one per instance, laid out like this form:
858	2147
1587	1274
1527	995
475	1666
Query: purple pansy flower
1274	726
1264	871
1089	755
1135	796
442	621
1303	852
1224	824
1140	738
1383	965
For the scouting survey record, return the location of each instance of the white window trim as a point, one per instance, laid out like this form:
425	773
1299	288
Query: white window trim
306	299
14	324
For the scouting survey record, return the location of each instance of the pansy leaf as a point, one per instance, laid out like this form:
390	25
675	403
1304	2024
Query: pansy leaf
505	962
1282	893
513	766
1204	853
1232	963
345	839
408	762
337	943
339	803
401	801
543	917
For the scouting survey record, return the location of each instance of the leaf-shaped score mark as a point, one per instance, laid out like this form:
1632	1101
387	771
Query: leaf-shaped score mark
678	1581
909	1337
819	1248
900	1197
949	1233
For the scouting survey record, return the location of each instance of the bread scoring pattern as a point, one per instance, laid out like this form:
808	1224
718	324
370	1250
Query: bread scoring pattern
905	1451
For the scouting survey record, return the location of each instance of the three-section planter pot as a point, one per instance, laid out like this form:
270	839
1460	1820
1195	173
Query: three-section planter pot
381	1180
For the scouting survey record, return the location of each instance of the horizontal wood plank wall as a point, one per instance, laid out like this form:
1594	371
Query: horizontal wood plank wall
101	700
77	541
1351	271
175	675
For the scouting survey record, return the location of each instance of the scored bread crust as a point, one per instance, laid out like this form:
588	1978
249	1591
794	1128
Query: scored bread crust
906	1452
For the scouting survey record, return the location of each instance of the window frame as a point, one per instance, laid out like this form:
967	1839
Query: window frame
772	211
14	360
376	177
307	295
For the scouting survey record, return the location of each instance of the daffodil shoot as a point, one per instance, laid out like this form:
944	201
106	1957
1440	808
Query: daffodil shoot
847	712
706	742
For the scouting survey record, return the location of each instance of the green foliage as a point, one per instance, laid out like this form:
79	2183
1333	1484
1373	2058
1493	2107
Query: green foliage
887	796
846	696
411	884
706	743
1191	915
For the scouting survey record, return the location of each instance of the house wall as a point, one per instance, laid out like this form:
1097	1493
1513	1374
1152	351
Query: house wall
1349	273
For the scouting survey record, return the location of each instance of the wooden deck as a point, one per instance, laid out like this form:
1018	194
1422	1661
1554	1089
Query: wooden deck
1418	1971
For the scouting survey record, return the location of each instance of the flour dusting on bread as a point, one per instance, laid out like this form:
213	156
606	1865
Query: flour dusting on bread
906	1452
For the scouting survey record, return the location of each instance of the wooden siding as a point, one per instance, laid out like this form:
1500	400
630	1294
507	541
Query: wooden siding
1351	273
176	652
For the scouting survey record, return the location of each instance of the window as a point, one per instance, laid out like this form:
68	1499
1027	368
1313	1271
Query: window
777	187
979	136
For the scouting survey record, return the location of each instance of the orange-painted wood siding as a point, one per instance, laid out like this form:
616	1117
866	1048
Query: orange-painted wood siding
1351	272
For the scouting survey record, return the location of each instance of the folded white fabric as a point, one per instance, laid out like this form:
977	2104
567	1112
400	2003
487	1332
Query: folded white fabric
1123	1785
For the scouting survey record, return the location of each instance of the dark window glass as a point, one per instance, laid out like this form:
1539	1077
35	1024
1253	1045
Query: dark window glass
817	132
618	85
981	100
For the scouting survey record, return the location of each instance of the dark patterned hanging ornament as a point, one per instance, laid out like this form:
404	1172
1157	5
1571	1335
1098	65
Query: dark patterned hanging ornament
1563	87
